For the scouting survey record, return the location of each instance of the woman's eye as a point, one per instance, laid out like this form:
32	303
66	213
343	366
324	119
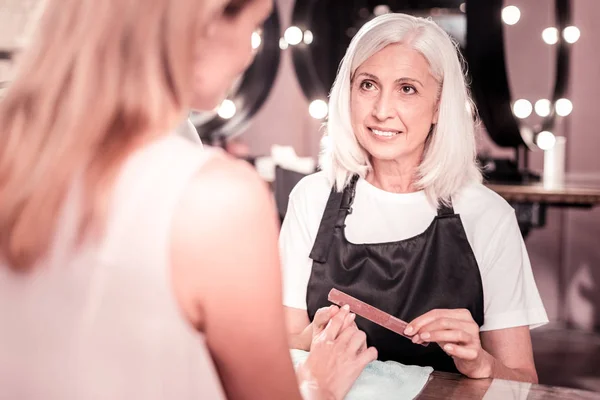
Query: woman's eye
366	85
408	90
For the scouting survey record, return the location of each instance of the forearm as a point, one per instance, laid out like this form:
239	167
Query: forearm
501	371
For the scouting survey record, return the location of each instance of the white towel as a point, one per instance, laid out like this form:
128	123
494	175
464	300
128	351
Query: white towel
383	380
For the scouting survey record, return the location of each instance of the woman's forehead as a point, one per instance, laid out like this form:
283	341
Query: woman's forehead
396	61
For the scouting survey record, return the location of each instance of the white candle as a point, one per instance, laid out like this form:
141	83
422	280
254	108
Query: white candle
554	164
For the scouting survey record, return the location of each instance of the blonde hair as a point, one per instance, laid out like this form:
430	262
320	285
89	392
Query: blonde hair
449	160
96	78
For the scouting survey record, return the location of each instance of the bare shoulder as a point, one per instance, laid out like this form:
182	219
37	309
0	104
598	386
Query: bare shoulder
225	216
224	180
225	194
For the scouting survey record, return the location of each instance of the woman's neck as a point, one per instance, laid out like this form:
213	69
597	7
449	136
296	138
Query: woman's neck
393	176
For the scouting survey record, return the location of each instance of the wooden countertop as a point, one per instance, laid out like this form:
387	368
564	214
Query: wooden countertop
444	385
572	193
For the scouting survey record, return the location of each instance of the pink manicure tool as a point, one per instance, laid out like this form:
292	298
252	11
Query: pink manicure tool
369	312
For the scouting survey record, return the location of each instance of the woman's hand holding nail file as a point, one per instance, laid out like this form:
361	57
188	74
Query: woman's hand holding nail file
369	312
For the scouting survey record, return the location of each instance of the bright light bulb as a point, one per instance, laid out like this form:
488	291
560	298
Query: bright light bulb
308	37
227	109
511	15
571	34
542	107
546	140
381	9
283	44
256	40
550	35
318	109
293	35
463	7
563	107
522	108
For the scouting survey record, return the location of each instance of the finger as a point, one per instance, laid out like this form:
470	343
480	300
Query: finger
322	317
367	356
448	336
460	352
363	347
335	324
441	324
358	341
346	333
415	325
349	321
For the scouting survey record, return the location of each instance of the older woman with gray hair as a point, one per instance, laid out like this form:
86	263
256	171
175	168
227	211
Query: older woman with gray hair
398	216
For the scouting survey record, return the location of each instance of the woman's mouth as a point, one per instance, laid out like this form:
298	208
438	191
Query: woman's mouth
383	133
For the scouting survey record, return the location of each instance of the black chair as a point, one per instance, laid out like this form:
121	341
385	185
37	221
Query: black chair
285	180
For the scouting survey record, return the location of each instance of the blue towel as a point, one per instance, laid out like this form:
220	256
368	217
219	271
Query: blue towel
383	380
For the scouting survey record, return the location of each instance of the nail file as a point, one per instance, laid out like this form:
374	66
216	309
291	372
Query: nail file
369	312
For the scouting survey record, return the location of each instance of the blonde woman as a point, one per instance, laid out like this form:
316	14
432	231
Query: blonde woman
399	218
132	264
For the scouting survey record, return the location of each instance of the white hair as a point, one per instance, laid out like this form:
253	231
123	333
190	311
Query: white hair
449	159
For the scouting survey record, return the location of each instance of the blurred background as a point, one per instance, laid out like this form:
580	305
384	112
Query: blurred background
534	68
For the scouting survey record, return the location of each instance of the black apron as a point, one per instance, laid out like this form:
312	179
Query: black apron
407	278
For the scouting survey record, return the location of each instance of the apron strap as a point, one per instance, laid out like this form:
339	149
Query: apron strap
445	210
339	205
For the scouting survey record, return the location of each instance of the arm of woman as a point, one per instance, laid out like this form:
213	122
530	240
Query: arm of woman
503	354
298	328
226	277
511	354
501	348
298	231
226	271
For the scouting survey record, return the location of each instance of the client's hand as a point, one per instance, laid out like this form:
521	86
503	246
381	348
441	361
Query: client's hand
336	358
320	321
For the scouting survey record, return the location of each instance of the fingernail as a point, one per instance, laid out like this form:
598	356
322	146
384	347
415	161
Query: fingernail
352	316
415	339
346	307
408	330
425	335
448	347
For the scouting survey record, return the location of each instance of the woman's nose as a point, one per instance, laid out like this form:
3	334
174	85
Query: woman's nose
383	108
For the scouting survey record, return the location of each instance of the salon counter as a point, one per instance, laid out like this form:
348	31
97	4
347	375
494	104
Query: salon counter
531	200
574	193
442	386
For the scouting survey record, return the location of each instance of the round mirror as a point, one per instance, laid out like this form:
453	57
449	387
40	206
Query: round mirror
331	25
248	93
477	26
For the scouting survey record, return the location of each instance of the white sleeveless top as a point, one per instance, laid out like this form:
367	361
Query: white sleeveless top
103	322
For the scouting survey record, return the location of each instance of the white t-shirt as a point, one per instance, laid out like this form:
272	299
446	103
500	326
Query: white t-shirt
511	297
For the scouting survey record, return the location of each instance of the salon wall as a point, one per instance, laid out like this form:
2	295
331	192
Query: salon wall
565	254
